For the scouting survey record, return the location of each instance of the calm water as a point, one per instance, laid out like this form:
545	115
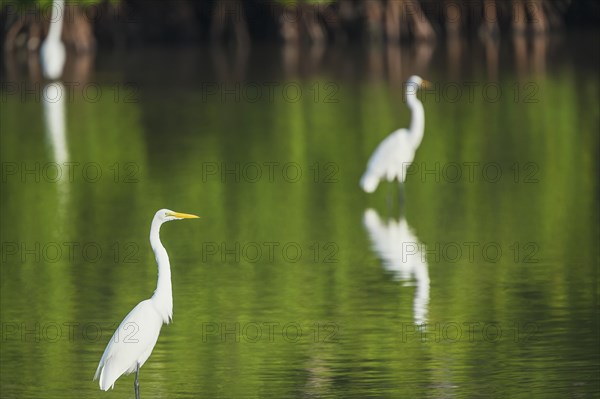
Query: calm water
481	282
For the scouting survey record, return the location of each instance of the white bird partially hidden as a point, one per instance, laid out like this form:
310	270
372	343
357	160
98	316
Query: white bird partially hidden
52	52
134	339
403	255
396	152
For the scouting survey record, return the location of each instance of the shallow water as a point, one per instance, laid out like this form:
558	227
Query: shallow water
481	281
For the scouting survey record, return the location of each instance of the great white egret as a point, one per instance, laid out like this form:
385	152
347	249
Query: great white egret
396	152
52	52
134	339
403	255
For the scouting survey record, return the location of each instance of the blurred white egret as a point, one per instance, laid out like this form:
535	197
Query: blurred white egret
396	152
402	254
134	339
53	52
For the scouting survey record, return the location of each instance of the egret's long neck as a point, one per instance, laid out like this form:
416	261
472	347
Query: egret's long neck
163	296
56	23
417	123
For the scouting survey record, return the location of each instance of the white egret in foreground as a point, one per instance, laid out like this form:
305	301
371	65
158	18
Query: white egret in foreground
53	52
134	339
393	156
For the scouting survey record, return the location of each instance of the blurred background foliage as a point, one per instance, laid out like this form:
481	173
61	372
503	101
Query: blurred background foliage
133	22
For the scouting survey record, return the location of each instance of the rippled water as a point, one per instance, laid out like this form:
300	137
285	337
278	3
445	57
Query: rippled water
481	281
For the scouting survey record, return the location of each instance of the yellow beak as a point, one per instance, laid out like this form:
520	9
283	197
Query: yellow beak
183	215
426	84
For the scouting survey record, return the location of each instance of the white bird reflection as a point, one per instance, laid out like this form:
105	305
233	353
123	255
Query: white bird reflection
403	255
53	100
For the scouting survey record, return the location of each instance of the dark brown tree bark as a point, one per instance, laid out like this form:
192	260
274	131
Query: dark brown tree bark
229	14
489	26
374	13
422	29
453	14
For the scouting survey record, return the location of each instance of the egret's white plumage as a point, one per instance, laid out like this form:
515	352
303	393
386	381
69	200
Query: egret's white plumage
131	344
396	152
134	339
52	52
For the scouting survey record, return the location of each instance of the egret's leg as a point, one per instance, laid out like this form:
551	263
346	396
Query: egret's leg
136	384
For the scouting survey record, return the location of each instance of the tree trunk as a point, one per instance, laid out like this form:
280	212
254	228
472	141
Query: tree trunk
11	35
374	12
229	14
519	16
453	14
78	32
421	27
392	20
289	27
538	16
489	27
310	17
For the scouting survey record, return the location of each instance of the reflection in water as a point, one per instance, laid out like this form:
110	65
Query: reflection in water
370	357
298	60
529	54
531	60
79	67
538	53
318	381
454	49
492	50
76	69
230	66
53	101
395	62
423	54
402	254
33	67
375	66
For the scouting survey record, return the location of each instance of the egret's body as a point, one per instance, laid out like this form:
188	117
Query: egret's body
52	52
396	152
133	341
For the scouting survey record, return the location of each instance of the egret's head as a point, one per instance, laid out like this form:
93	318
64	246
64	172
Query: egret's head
415	82
166	215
